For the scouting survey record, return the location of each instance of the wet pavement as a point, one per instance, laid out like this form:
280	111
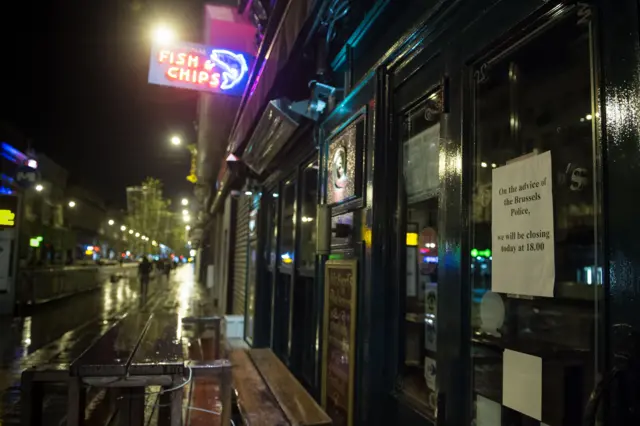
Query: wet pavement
60	331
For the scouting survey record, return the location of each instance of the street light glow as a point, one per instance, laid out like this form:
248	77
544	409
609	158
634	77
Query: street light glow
131	231
72	204
163	34
137	234
123	228
111	222
39	188
186	218
185	212
188	228
176	140
185	202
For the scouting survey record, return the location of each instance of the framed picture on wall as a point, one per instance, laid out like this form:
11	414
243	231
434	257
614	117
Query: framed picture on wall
345	163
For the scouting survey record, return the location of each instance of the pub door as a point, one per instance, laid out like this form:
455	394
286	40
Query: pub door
536	259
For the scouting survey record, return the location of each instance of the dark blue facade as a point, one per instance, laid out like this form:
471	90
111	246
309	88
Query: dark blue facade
493	81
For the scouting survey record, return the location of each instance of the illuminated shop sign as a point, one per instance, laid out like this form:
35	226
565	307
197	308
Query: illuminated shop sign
10	153
8	209
199	67
7	218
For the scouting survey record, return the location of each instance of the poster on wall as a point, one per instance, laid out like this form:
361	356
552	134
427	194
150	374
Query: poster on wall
522	227
421	164
338	352
342	164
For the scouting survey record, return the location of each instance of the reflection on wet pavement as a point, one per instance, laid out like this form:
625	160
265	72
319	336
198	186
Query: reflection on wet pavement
61	331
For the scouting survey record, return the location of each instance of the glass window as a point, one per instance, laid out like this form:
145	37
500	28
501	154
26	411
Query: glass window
531	101
287	245
272	244
303	336
308	225
420	159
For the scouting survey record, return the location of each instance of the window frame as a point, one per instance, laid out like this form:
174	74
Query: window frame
400	307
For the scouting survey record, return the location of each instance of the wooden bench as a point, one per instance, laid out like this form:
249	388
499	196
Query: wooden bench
257	405
268	394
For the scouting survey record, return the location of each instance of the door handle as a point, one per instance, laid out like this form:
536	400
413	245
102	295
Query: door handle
621	379
602	387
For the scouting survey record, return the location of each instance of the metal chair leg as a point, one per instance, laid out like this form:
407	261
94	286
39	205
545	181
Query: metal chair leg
31	396
225	397
176	402
131	407
76	402
164	411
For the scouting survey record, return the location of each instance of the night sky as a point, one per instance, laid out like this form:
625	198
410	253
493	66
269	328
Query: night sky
74	81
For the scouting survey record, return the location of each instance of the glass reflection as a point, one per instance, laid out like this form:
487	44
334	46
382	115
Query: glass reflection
308	225
534	100
422	170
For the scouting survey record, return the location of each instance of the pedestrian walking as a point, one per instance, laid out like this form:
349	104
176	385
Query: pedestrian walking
144	273
167	269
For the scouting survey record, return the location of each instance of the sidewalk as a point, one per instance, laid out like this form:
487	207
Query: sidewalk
61	332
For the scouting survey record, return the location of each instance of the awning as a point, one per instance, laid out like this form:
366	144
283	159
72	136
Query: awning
273	131
294	18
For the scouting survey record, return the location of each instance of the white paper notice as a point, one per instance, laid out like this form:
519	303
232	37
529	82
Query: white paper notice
522	383
522	228
412	271
430	372
488	412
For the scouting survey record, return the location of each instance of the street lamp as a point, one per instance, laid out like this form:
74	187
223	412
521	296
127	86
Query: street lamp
111	222
186	219
137	234
176	140
131	231
39	188
185	212
123	228
188	228
185	202
72	204
163	34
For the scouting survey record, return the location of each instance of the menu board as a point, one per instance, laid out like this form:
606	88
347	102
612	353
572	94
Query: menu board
338	352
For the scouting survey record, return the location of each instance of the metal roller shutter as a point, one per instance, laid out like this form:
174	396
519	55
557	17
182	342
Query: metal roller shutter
240	260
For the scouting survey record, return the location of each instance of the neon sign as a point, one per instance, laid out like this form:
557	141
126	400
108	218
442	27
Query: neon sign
8	209
198	67
12	154
7	218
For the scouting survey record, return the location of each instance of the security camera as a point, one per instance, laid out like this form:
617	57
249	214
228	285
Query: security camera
321	90
322	99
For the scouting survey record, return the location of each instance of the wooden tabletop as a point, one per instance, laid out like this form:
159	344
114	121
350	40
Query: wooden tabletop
111	355
160	349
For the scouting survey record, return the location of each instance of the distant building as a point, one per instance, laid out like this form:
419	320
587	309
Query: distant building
43	216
